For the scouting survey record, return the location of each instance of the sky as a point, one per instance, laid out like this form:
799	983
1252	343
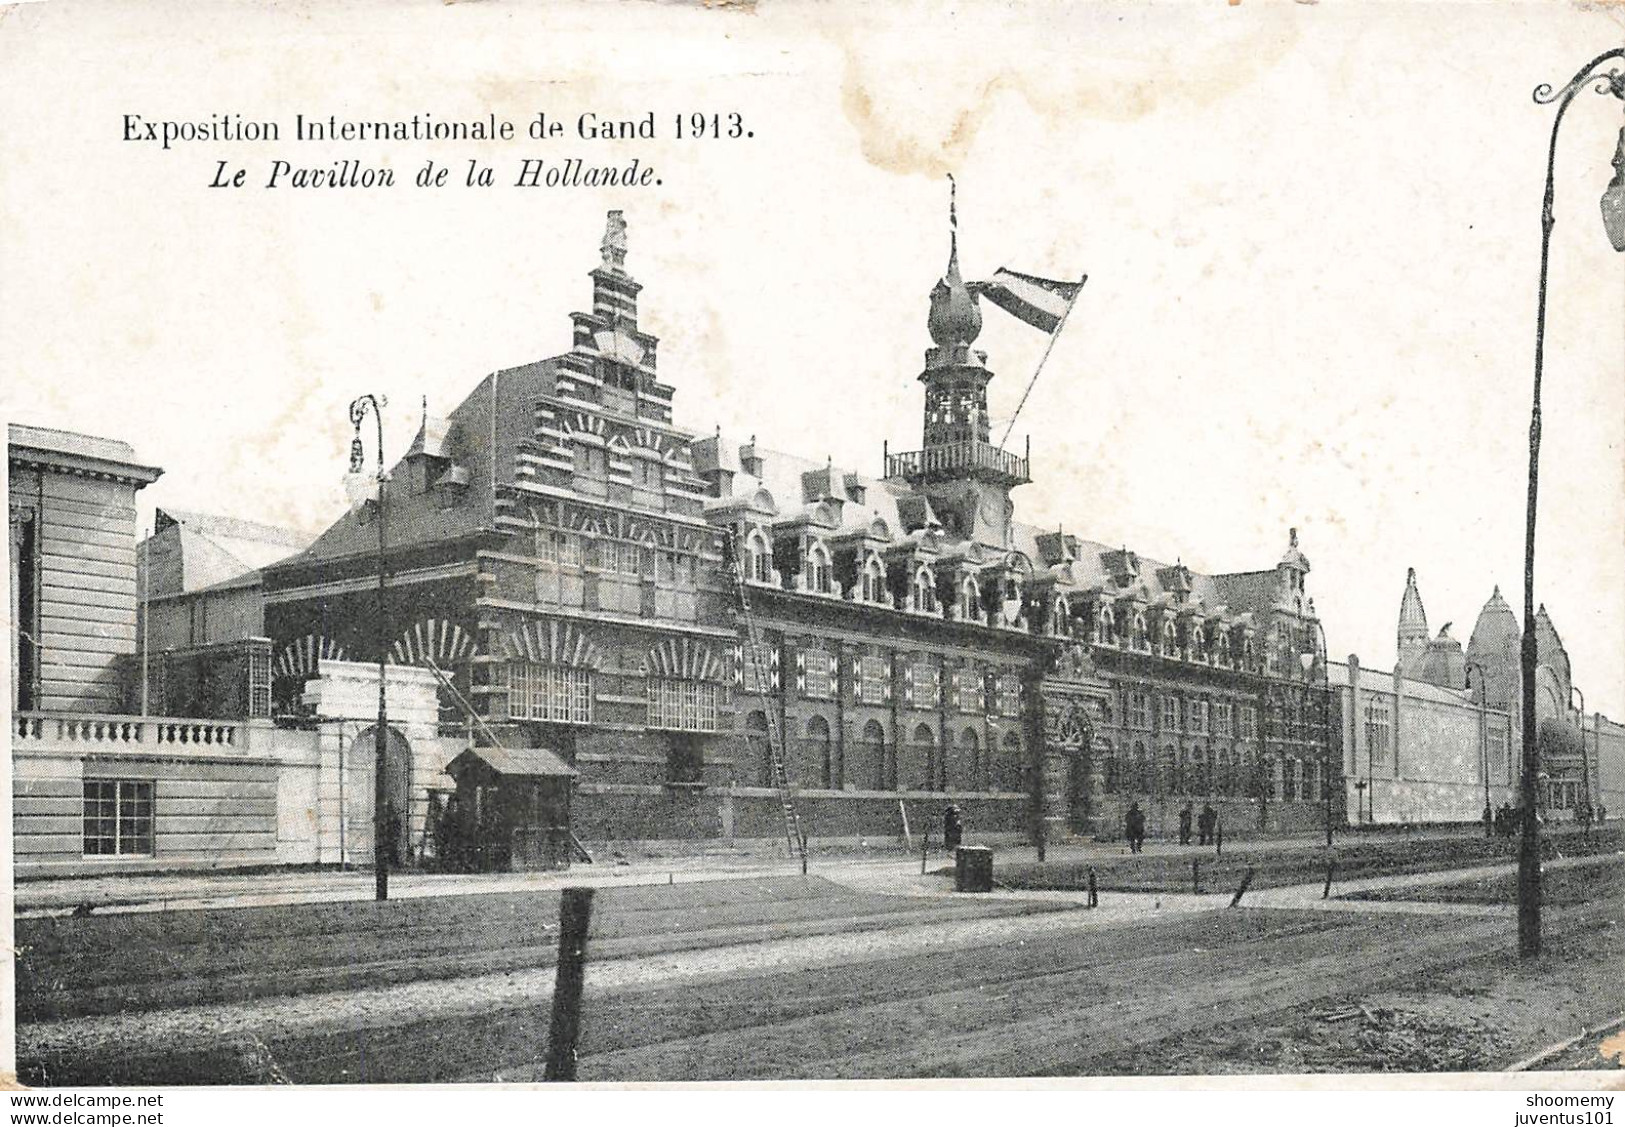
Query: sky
1311	235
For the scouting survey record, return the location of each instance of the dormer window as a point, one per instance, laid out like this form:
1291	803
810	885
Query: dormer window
1140	638
872	582
757	559
819	573
1060	614
1106	627
970	601
925	591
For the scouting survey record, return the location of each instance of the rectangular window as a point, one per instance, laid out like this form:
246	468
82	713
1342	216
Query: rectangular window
547	545
1197	713
927	685
758	671
1170	714
568	549
1378	731
1249	722
1499	751
685	706
118	819
1009	695
873	674
1223	713
558	694
1139	710
818	666
968	691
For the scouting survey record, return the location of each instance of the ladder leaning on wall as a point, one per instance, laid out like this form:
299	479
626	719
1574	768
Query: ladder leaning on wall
775	738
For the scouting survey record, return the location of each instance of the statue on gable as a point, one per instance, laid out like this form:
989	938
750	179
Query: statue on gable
613	248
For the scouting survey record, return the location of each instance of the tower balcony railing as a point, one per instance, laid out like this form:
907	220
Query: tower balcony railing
958	457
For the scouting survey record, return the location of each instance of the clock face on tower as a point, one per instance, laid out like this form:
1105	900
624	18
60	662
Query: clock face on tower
994	518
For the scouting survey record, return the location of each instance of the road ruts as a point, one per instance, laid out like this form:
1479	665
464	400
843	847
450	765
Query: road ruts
1053	1022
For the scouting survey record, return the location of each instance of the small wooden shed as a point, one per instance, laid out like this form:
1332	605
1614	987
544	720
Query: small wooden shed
511	810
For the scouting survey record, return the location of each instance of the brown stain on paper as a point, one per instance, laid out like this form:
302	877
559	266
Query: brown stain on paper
1049	88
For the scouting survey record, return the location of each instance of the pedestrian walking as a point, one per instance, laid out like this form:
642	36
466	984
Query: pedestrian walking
1185	824
1205	823
1134	827
953	828
1488	819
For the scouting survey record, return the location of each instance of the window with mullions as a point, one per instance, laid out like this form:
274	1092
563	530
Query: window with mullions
1170	714
1009	694
118	819
686	706
1139	710
558	694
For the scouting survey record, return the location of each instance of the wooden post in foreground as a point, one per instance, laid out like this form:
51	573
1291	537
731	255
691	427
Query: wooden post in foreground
575	914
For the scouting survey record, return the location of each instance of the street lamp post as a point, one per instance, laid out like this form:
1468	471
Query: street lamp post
1612	82
1585	760
1308	658
358	497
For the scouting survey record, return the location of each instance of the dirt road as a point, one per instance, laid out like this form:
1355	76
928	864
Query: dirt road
816	980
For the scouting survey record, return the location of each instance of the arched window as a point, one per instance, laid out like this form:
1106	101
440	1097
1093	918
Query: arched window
923	762
1198	643
761	753
965	768
1171	770
1140	639
1142	769
925	591
758	559
865	766
1106	627
819	575
1060	617
970	601
1170	638
1221	647
1007	769
815	765
1110	769
872	582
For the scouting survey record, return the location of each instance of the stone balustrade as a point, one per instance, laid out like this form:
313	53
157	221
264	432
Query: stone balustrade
98	732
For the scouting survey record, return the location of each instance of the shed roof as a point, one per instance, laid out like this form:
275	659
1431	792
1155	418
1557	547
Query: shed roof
522	761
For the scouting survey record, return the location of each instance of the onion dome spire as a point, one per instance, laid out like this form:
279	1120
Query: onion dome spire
954	317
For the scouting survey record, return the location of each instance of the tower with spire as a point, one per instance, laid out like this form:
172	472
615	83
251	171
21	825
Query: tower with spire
966	478
1413	627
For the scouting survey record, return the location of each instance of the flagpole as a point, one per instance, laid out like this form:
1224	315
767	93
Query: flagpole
1071	301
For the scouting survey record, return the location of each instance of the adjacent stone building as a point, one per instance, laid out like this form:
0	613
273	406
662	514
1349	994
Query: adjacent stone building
72	568
1440	737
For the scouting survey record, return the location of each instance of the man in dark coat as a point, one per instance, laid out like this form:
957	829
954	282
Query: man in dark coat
1205	823
953	829
1134	827
1489	821
1185	824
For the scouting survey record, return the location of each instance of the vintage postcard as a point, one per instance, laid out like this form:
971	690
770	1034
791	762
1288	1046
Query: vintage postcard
665	543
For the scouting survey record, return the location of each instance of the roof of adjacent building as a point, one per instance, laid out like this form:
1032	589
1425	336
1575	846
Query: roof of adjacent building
194	551
111	454
523	762
1381	681
1496	629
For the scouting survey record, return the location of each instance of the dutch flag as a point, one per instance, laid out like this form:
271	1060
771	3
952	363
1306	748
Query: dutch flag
1042	303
